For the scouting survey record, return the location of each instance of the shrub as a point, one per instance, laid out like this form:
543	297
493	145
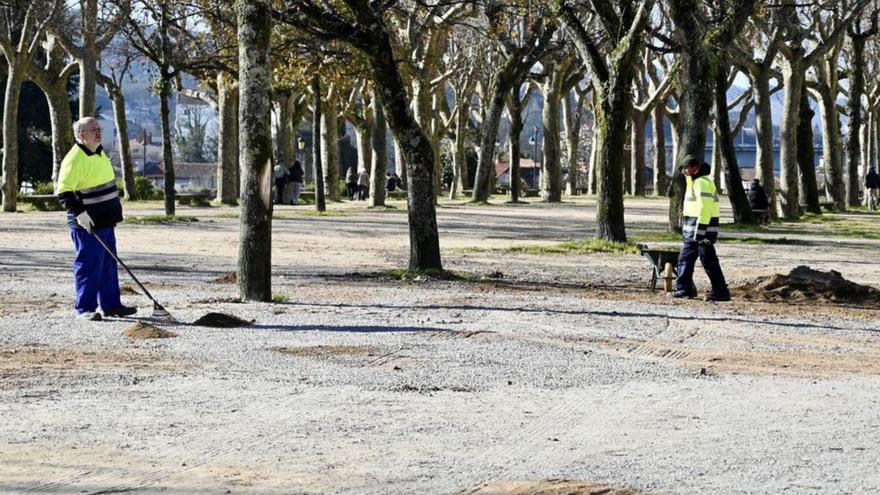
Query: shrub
44	188
143	188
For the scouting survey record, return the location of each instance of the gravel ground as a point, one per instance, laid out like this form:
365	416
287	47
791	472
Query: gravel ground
532	368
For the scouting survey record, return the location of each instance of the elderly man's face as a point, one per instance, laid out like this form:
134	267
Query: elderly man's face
91	135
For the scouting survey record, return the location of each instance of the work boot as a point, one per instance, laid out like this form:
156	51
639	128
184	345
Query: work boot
717	297
682	294
120	312
89	316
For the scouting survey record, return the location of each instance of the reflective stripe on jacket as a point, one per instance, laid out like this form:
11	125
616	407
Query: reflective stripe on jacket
701	210
87	182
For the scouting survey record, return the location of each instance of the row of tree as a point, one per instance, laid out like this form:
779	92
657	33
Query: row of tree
442	75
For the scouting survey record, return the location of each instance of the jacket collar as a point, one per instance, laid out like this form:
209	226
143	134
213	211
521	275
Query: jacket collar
90	153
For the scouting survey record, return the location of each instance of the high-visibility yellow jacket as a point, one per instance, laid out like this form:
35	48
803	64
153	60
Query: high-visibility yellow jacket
87	182
701	210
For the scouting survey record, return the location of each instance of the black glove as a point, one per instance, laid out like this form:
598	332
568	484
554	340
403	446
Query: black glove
706	242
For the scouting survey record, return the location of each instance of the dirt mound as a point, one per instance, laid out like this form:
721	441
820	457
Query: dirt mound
805	284
144	331
547	487
229	278
220	320
127	290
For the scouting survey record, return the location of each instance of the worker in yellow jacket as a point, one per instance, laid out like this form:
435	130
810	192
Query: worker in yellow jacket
87	189
699	232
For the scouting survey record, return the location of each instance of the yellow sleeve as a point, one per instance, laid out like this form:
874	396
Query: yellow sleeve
69	175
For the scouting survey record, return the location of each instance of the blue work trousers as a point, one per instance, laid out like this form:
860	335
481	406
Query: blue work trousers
688	258
94	271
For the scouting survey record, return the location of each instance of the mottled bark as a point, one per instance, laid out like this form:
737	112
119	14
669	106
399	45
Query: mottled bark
122	144
363	136
551	168
637	155
317	118
805	157
14	77
400	164
255	113
789	191
764	162
572	117
379	153
227	143
661	180
330	145
88	58
283	146
832	148
742	211
854	106
459	155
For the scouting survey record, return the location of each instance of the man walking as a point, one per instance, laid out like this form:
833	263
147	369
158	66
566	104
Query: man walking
699	232
87	189
872	184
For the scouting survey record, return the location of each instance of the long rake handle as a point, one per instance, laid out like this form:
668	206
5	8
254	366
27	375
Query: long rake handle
115	257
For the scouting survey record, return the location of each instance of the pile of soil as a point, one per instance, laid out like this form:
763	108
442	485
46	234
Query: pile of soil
803	284
144	331
220	320
127	290
229	278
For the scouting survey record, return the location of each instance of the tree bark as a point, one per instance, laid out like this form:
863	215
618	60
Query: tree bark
637	157
255	114
793	77
14	77
364	142
283	148
167	151
379	154
805	158
459	156
317	118
551	168
88	61
742	211
854	106
659	142
827	72
764	162
227	144
330	145
571	118
123	146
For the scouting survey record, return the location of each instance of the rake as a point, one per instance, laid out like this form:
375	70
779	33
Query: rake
159	312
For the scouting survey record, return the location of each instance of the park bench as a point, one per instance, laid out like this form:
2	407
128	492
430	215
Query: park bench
659	258
187	199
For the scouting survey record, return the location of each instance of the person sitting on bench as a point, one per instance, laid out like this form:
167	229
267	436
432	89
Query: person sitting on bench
758	200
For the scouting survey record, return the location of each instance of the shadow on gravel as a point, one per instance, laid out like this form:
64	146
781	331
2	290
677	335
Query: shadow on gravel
611	314
348	328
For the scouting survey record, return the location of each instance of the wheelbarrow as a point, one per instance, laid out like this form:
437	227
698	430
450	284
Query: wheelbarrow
664	265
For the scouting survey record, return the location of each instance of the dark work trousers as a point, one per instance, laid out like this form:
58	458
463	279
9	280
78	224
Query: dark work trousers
688	258
94	271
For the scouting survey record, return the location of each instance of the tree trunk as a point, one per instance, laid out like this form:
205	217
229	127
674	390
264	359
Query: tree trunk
551	169
330	145
255	114
14	78
283	148
61	120
123	146
594	148
379	153
227	144
742	211
88	63
659	136
320	201
419	156
364	142
854	105
764	162
400	164
167	152
637	158
459	156
612	110
793	77
500	85
809	190
571	118
831	147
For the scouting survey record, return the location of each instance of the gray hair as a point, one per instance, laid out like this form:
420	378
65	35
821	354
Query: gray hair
80	126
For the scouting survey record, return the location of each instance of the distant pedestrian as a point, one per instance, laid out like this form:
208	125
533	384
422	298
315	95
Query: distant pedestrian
390	185
363	185
351	182
398	183
872	184
296	179
699	232
758	201
280	173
